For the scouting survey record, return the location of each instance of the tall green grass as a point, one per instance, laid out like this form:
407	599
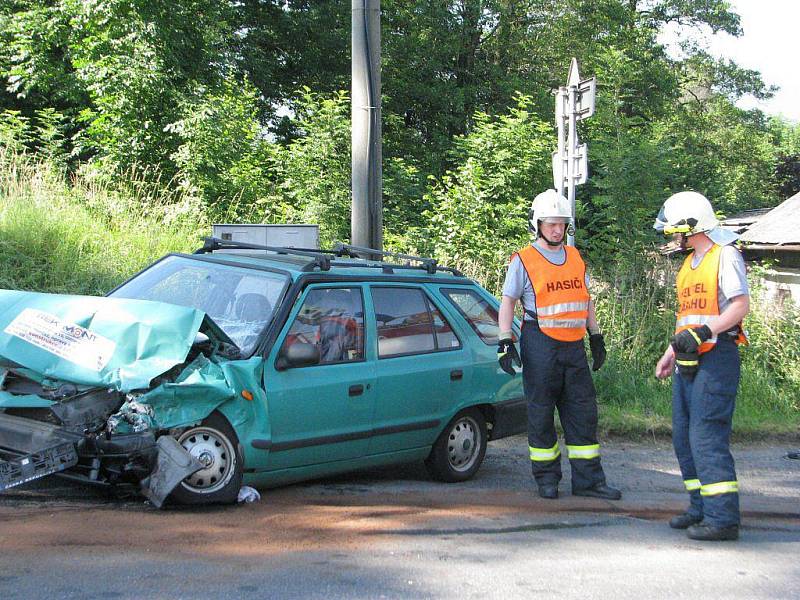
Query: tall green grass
80	235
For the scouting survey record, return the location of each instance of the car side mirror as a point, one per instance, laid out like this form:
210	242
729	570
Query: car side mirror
297	355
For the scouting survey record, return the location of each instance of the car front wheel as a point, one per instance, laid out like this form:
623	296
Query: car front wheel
215	445
459	450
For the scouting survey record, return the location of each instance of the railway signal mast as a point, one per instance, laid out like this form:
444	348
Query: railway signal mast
574	102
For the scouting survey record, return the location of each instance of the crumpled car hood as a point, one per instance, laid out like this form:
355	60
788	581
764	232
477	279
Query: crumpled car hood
97	341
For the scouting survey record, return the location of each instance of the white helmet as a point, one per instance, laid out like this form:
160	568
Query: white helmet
690	213
549	206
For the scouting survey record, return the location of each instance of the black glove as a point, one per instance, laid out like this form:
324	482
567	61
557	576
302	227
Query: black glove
507	355
687	363
598	347
689	340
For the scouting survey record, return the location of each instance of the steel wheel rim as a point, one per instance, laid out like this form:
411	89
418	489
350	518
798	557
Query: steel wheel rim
216	452
463	444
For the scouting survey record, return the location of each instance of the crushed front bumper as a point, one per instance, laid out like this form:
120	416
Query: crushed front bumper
31	449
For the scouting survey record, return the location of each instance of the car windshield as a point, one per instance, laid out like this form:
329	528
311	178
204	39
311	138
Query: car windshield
241	301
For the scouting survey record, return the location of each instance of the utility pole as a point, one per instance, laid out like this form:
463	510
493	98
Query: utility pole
574	102
366	222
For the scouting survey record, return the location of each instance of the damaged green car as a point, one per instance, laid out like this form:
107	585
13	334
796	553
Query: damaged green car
243	364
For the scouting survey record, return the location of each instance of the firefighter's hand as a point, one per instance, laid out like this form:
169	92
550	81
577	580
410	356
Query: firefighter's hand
507	355
688	363
598	347
689	340
666	364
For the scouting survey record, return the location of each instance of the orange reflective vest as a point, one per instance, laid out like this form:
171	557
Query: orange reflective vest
562	300
698	293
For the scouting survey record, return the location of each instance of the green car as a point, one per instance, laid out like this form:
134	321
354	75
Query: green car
248	365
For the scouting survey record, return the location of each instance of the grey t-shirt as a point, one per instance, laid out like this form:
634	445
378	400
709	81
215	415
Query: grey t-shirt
518	285
732	279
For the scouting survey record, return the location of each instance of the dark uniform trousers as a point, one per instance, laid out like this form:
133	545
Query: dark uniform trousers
556	375
702	412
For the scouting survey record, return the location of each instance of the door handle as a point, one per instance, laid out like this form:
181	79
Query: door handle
356	390
456	374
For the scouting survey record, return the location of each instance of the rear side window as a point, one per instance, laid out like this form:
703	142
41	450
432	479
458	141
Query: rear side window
408	323
480	315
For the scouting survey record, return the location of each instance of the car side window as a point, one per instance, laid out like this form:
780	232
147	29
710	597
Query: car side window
408	323
445	337
332	319
480	315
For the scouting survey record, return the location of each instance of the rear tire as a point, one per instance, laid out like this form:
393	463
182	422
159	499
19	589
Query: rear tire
216	445
459	450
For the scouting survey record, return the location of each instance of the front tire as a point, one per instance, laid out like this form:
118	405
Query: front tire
215	444
459	450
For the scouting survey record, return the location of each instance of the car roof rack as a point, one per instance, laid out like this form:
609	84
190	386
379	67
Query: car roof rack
322	259
431	265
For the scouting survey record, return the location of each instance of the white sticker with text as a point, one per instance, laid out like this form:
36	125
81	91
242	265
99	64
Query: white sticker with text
66	340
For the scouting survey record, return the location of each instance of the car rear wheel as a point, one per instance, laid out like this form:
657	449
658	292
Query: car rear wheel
213	443
459	450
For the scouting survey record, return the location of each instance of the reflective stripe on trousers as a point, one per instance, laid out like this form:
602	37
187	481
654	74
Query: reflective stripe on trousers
544	454
722	487
712	489
585	452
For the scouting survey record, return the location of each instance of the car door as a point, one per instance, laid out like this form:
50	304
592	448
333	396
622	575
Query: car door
478	310
421	368
322	412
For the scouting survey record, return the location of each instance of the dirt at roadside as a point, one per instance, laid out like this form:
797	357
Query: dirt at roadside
357	510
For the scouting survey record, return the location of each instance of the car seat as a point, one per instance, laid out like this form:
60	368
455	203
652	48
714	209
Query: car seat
252	307
338	330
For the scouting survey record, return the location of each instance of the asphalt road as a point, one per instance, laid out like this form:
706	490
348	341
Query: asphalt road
393	533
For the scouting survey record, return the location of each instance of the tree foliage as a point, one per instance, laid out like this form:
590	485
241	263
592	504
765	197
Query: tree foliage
478	211
221	156
242	106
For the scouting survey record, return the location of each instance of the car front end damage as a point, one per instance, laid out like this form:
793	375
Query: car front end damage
75	436
100	390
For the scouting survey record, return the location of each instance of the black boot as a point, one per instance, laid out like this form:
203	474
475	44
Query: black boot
601	490
710	533
549	491
683	521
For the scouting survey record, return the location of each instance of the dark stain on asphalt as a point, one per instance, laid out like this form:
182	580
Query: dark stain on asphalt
664	515
771	529
501	530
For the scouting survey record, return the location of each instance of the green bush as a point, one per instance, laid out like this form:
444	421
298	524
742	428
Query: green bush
223	158
478	213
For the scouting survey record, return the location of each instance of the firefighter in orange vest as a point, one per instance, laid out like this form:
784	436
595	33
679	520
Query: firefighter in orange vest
550	279
713	299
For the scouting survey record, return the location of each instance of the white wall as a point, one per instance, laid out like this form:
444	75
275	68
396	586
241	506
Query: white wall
781	284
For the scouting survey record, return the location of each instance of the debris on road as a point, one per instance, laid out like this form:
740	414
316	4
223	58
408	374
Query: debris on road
248	495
